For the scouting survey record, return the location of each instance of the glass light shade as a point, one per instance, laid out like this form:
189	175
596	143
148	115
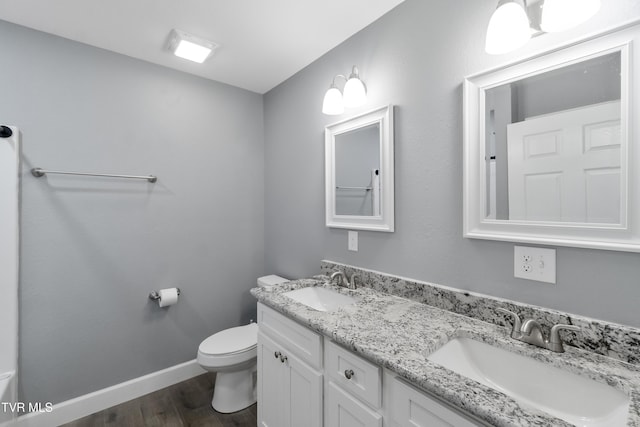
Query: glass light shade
355	93
190	47
192	52
508	28
332	103
560	15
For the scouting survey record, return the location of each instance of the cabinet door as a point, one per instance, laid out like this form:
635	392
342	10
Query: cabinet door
410	407
271	386
344	410
304	394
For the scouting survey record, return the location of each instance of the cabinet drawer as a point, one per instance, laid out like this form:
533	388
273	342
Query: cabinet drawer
340	364
297	339
410	407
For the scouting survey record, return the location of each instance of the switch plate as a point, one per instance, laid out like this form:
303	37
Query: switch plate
353	241
537	264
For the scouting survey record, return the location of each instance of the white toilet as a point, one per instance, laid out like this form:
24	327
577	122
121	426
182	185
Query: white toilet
232	353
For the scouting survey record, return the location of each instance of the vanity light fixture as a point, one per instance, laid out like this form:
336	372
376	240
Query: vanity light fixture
188	46
355	94
333	104
560	15
515	21
508	27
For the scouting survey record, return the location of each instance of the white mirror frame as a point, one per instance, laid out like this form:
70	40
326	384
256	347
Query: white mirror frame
620	237
385	221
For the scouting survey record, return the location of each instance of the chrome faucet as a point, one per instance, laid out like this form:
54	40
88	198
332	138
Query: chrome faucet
342	278
343	281
355	276
530	332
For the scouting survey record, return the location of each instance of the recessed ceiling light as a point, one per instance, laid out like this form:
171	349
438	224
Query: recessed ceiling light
188	46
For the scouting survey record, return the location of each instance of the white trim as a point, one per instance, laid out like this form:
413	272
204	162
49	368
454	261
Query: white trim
82	406
621	237
385	221
10	169
560	46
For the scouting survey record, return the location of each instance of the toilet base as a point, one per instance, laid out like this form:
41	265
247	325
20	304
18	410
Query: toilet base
234	391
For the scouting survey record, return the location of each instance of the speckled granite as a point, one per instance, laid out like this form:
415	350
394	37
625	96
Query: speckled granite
400	333
609	339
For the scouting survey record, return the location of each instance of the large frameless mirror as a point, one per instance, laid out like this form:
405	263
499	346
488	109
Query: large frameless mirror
548	158
359	172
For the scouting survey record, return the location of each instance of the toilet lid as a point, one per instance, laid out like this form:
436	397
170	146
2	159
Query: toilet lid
232	340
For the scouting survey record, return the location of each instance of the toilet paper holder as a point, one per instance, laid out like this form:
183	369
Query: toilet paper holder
155	295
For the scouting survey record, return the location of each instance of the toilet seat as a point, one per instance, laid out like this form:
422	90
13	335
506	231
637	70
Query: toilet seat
231	341
230	347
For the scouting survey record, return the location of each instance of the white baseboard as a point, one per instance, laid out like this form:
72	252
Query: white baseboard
82	406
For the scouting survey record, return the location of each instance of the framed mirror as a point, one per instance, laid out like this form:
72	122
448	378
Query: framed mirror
359	172
548	156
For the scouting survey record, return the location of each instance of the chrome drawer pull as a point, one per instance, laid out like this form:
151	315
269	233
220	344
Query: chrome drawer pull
349	373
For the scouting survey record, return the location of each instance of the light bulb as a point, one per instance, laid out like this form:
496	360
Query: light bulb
355	93
192	52
332	104
508	28
188	46
560	15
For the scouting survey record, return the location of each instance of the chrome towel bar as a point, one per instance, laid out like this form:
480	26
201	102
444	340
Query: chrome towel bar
354	188
39	172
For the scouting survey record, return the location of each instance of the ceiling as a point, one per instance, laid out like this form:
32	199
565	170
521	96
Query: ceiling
262	42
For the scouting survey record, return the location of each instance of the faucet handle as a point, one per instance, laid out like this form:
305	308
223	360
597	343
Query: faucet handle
517	323
340	275
355	276
555	340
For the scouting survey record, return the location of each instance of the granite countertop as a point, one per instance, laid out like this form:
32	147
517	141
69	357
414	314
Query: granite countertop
399	334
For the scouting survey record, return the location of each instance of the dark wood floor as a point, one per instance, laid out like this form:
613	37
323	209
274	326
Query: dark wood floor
181	405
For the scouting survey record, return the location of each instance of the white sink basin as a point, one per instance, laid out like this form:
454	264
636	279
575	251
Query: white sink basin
321	299
567	396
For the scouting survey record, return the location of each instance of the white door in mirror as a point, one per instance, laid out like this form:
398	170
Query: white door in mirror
537	264
566	166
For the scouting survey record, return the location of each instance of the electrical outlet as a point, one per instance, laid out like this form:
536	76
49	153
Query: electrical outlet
537	264
353	241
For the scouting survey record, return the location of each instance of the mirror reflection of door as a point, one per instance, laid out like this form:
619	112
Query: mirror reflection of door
553	145
566	166
357	169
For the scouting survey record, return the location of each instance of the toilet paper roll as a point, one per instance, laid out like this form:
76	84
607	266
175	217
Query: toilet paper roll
168	297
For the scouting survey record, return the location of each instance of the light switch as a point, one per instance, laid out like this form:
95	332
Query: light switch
353	241
537	264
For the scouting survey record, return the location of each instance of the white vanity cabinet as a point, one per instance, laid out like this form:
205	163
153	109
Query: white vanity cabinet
302	385
353	389
344	410
408	406
289	372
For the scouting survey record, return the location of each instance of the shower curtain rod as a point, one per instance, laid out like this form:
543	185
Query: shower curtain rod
39	172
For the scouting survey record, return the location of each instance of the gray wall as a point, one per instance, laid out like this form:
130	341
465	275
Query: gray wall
92	249
416	57
578	85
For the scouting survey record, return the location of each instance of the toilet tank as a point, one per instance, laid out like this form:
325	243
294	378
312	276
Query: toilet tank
268	281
